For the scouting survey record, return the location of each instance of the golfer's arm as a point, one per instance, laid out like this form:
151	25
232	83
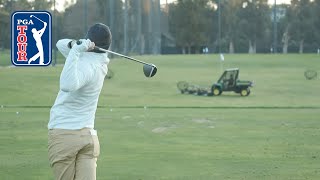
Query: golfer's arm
63	47
74	75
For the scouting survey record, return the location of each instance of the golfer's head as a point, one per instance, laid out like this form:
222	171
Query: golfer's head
100	34
33	30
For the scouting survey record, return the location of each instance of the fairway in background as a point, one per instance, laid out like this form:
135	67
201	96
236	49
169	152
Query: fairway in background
278	81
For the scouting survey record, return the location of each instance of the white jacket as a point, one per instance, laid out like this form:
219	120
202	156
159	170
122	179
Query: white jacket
81	82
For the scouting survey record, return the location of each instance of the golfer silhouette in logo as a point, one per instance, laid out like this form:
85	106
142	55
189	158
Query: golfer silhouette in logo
37	37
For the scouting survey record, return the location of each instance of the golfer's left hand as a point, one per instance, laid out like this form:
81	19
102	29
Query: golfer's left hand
85	45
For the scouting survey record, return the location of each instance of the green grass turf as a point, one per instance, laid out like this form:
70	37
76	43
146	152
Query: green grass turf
271	134
176	144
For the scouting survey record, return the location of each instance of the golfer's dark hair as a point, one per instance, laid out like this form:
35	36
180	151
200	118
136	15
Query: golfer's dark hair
100	34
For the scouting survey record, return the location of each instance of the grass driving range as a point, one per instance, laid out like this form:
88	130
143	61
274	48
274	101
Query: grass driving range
148	130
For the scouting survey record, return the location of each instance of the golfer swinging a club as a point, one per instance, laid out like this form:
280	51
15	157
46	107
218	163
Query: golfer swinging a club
73	144
37	37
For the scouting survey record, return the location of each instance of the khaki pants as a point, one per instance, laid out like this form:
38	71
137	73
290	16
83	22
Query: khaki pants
73	153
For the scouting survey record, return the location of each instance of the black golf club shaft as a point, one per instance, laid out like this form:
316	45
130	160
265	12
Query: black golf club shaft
149	70
121	55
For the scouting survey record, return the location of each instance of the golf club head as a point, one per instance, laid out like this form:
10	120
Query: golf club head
149	70
31	16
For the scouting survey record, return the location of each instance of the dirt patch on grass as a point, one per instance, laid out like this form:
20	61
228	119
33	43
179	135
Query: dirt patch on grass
126	117
163	129
140	123
160	129
201	120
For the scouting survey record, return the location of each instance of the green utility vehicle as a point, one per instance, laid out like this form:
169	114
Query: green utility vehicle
228	82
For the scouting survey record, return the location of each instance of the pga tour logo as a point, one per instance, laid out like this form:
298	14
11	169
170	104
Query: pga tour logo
31	38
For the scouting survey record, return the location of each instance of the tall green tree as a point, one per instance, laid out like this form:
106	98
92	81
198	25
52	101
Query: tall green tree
316	15
302	21
190	22
254	20
284	26
229	21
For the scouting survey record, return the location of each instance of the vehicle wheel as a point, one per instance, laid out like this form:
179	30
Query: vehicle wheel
310	74
216	91
245	92
182	86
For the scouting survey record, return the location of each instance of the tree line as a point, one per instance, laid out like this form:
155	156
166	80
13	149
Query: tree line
146	27
246	26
